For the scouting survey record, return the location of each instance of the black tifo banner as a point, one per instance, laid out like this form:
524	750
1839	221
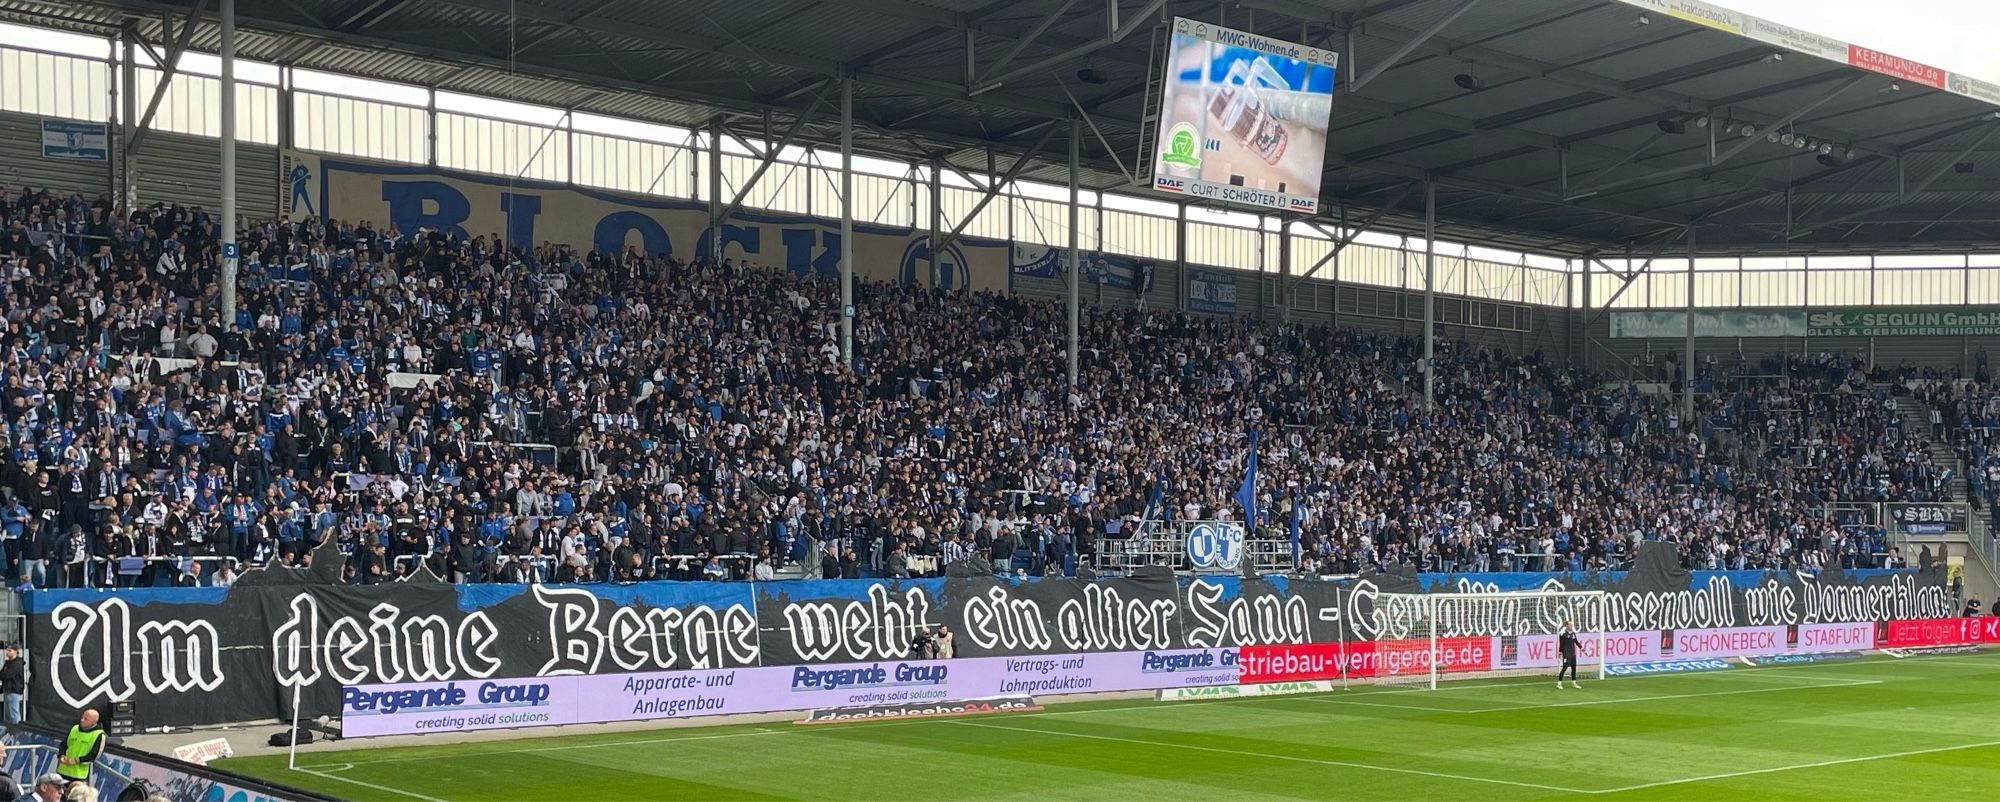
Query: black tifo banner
205	656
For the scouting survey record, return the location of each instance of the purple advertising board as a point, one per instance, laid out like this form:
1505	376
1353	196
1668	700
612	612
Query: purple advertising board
467	705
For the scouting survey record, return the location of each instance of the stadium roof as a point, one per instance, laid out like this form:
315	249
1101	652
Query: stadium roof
1558	147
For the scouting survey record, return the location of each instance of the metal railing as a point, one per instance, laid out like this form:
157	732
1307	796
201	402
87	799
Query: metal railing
1161	543
1983	546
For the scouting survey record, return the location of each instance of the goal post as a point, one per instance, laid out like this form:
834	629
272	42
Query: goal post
1426	636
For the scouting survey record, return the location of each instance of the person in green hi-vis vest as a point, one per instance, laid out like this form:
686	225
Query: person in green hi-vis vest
81	747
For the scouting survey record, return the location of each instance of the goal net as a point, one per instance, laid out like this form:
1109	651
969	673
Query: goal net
1428	636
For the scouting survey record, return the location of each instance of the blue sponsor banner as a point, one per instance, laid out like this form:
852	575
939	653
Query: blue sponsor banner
1666	667
72	139
1798	659
1211	291
1108	269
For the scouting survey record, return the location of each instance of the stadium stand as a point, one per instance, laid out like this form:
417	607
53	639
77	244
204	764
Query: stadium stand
550	415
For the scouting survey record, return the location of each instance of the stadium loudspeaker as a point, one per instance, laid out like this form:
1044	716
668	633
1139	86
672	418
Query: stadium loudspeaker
122	721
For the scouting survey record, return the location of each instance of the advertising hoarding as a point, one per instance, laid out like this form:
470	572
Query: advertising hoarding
1799	40
1878	322
210	655
469	705
1924	632
903	688
1243	118
1672	325
1905	322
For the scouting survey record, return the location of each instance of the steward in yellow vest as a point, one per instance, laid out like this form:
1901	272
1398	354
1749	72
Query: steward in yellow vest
81	748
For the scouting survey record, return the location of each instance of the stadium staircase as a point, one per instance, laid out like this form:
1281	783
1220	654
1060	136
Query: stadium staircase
1982	563
12	619
1916	416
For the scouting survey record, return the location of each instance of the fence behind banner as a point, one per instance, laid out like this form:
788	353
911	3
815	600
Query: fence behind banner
1167	544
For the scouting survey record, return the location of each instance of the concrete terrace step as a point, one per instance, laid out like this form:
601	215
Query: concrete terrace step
1916	419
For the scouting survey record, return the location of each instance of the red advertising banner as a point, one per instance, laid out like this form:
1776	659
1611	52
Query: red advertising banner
1897	67
1295	662
1941	632
1322	661
1414	658
1310	661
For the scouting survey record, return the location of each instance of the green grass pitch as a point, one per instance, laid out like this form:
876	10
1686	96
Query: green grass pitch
1918	728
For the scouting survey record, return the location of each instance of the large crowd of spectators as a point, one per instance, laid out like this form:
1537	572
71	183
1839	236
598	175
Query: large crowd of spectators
1965	413
535	413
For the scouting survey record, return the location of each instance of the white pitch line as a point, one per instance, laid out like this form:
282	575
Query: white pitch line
1608	701
1665	697
1332	700
569	747
351	781
1362	690
1820	764
1149	705
1269	756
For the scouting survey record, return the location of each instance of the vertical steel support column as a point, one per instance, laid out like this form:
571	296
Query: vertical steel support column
1430	292
937	222
715	190
1075	265
431	126
694	163
1284	269
116	145
128	116
1097	242
847	222
1687	370
229	246
287	136
1583	340
1180	255
1335	312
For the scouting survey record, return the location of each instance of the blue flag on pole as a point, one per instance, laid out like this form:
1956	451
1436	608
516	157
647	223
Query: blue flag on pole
1246	495
1296	516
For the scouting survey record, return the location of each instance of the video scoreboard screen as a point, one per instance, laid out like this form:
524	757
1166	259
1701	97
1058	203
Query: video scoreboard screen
1243	118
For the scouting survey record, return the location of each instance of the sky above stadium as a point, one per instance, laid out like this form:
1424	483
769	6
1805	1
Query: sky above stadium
1957	35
